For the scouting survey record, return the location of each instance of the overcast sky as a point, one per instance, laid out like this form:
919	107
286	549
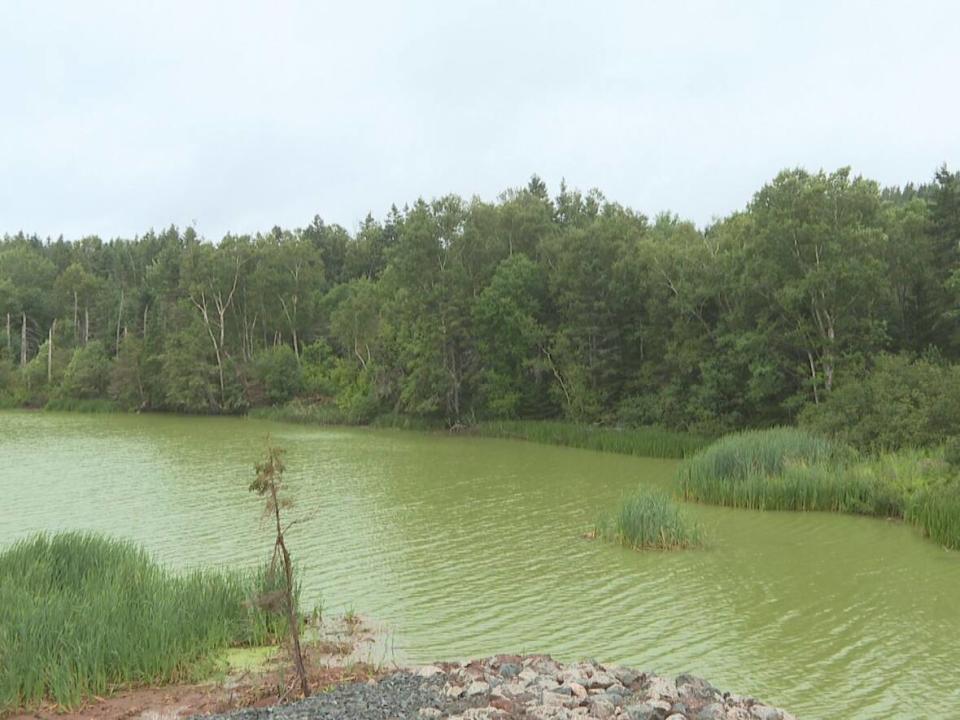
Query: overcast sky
237	116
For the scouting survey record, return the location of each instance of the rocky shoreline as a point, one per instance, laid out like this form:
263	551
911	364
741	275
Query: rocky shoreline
511	686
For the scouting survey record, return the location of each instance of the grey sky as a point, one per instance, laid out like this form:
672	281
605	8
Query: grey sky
118	117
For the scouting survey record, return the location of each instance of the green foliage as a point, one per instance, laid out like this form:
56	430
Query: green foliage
951	452
649	519
81	614
645	442
317	363
277	369
189	378
9	381
88	374
901	402
130	375
529	307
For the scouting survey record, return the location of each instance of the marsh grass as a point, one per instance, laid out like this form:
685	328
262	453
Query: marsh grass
936	511
81	406
305	413
645	441
790	469
649	519
81	614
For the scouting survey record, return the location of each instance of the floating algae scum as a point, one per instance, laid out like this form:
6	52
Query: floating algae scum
467	546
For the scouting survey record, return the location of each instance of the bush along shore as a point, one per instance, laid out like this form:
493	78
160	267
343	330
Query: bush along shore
533	687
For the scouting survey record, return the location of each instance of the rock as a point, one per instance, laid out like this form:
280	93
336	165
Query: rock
626	676
713	711
696	691
601	708
509	687
528	675
662	705
477	687
662	688
509	670
644	711
601	679
765	712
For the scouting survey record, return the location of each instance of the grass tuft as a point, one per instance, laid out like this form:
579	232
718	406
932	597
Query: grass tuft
81	614
649	519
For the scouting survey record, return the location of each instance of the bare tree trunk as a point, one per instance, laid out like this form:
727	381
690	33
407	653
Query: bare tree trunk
9	339
53	328
119	319
291	609
86	325
813	377
76	317
145	308
23	340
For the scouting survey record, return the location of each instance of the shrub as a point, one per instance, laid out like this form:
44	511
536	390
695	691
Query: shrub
900	403
88	373
277	370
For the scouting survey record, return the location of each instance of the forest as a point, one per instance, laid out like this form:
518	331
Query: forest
828	299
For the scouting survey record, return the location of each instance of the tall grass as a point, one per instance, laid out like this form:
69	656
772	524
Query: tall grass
81	406
306	413
81	614
936	511
649	519
790	469
646	441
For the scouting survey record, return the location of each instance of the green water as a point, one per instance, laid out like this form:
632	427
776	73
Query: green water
469	547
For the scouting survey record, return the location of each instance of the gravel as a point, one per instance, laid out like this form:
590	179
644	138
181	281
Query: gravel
535	687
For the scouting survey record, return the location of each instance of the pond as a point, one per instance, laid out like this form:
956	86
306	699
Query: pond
466	547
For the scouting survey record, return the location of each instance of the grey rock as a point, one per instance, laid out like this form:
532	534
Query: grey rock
713	711
644	711
765	712
477	687
509	670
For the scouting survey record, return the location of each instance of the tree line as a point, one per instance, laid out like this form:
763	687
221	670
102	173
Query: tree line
532	306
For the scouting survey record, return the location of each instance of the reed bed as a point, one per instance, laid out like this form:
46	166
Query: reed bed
936	511
81	615
649	519
790	469
305	413
81	406
644	441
